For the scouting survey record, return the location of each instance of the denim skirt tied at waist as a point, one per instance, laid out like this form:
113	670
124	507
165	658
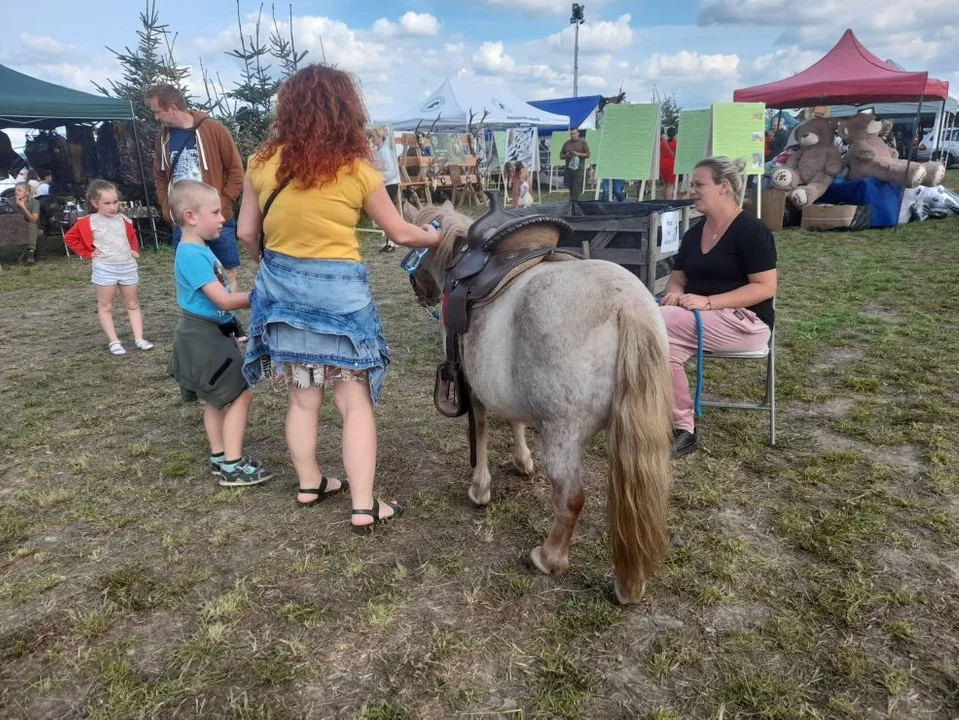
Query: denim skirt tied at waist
314	312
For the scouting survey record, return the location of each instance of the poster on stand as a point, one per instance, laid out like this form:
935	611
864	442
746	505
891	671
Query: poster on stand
499	140
628	141
522	146
692	139
559	139
739	131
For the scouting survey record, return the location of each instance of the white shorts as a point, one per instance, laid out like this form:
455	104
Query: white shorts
109	275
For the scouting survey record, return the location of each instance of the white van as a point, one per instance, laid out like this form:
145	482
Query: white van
948	149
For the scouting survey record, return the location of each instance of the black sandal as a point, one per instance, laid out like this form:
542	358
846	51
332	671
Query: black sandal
320	492
375	514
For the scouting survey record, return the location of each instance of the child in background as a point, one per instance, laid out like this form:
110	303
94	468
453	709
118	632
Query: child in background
108	239
206	360
525	196
29	207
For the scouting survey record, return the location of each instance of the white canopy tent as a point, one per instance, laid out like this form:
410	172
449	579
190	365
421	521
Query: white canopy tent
452	102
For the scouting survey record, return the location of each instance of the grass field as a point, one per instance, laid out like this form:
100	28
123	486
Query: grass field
816	579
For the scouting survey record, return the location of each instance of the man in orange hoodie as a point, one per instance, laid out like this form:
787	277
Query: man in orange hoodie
194	146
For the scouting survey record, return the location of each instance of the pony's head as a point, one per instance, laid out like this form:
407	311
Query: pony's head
428	277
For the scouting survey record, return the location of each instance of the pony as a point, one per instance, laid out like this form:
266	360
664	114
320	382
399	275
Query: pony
570	348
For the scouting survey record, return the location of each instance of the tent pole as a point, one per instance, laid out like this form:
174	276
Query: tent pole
143	176
909	151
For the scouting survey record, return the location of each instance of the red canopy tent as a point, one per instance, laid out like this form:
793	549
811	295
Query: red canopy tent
847	75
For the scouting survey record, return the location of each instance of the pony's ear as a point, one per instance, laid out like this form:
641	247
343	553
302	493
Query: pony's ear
448	206
409	212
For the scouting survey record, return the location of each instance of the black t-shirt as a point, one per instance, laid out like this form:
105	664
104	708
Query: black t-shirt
747	247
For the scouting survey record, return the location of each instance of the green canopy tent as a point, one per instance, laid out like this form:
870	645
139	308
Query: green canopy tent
26	102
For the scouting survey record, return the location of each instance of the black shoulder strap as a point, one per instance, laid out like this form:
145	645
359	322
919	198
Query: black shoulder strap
266	209
176	158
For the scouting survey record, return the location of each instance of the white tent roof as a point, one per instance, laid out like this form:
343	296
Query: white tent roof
453	101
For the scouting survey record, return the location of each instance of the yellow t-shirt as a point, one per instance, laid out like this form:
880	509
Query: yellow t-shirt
316	222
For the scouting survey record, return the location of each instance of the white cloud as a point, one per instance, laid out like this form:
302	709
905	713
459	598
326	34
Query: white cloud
920	30
689	65
597	37
491	59
411	24
43	47
547	93
593	81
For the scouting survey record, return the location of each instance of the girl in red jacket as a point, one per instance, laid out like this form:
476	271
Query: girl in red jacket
108	239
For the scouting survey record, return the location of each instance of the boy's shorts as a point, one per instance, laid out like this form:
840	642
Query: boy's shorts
224	247
206	363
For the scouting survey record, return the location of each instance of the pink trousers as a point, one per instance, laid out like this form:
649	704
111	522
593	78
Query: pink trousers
728	330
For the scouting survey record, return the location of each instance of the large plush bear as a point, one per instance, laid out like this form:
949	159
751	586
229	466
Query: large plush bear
812	168
869	156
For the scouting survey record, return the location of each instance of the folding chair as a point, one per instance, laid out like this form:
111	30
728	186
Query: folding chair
769	403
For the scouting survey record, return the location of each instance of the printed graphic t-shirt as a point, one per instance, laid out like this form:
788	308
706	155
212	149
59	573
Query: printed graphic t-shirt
188	164
194	267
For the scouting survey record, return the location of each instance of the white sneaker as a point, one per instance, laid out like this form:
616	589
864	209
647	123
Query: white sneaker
144	344
117	349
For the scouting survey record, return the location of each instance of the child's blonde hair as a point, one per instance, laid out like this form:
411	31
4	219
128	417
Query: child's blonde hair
95	189
187	195
26	186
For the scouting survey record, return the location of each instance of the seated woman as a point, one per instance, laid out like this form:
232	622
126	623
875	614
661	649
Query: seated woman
726	269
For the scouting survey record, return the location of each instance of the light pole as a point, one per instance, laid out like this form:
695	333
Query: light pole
576	19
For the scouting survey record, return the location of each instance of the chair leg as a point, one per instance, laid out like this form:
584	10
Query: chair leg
771	393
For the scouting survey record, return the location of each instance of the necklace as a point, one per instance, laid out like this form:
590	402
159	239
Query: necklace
722	229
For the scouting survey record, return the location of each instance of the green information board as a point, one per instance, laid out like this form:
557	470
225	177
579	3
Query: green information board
739	131
627	144
556	145
594	142
499	137
692	139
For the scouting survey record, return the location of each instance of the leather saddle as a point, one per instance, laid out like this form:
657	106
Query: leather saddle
500	246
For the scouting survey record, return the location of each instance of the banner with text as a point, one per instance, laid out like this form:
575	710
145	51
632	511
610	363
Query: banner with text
628	142
692	139
739	131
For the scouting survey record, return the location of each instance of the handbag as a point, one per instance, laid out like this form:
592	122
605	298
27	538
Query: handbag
266	209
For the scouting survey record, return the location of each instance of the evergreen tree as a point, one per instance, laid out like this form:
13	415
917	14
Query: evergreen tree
151	63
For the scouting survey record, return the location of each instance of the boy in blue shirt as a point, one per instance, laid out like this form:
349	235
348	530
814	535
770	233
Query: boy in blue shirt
206	361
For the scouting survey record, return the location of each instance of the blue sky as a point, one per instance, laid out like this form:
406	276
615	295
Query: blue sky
699	50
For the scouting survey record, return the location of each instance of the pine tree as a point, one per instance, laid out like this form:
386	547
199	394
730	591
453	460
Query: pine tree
151	63
670	111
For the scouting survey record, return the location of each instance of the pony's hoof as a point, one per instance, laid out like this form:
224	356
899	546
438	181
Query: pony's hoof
524	466
623	598
481	501
536	556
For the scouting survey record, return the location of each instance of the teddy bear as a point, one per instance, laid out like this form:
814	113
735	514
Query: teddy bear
810	170
869	156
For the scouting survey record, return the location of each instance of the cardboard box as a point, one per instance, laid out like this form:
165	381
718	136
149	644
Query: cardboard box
836	217
773	208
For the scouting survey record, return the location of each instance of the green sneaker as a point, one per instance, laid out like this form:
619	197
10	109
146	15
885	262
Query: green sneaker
215	465
245	472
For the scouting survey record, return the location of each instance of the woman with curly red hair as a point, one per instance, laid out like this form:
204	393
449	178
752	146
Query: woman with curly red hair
313	324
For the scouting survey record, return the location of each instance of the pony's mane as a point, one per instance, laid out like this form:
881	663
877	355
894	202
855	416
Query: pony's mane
453	225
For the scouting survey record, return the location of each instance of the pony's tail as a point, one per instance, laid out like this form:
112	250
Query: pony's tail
640	433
